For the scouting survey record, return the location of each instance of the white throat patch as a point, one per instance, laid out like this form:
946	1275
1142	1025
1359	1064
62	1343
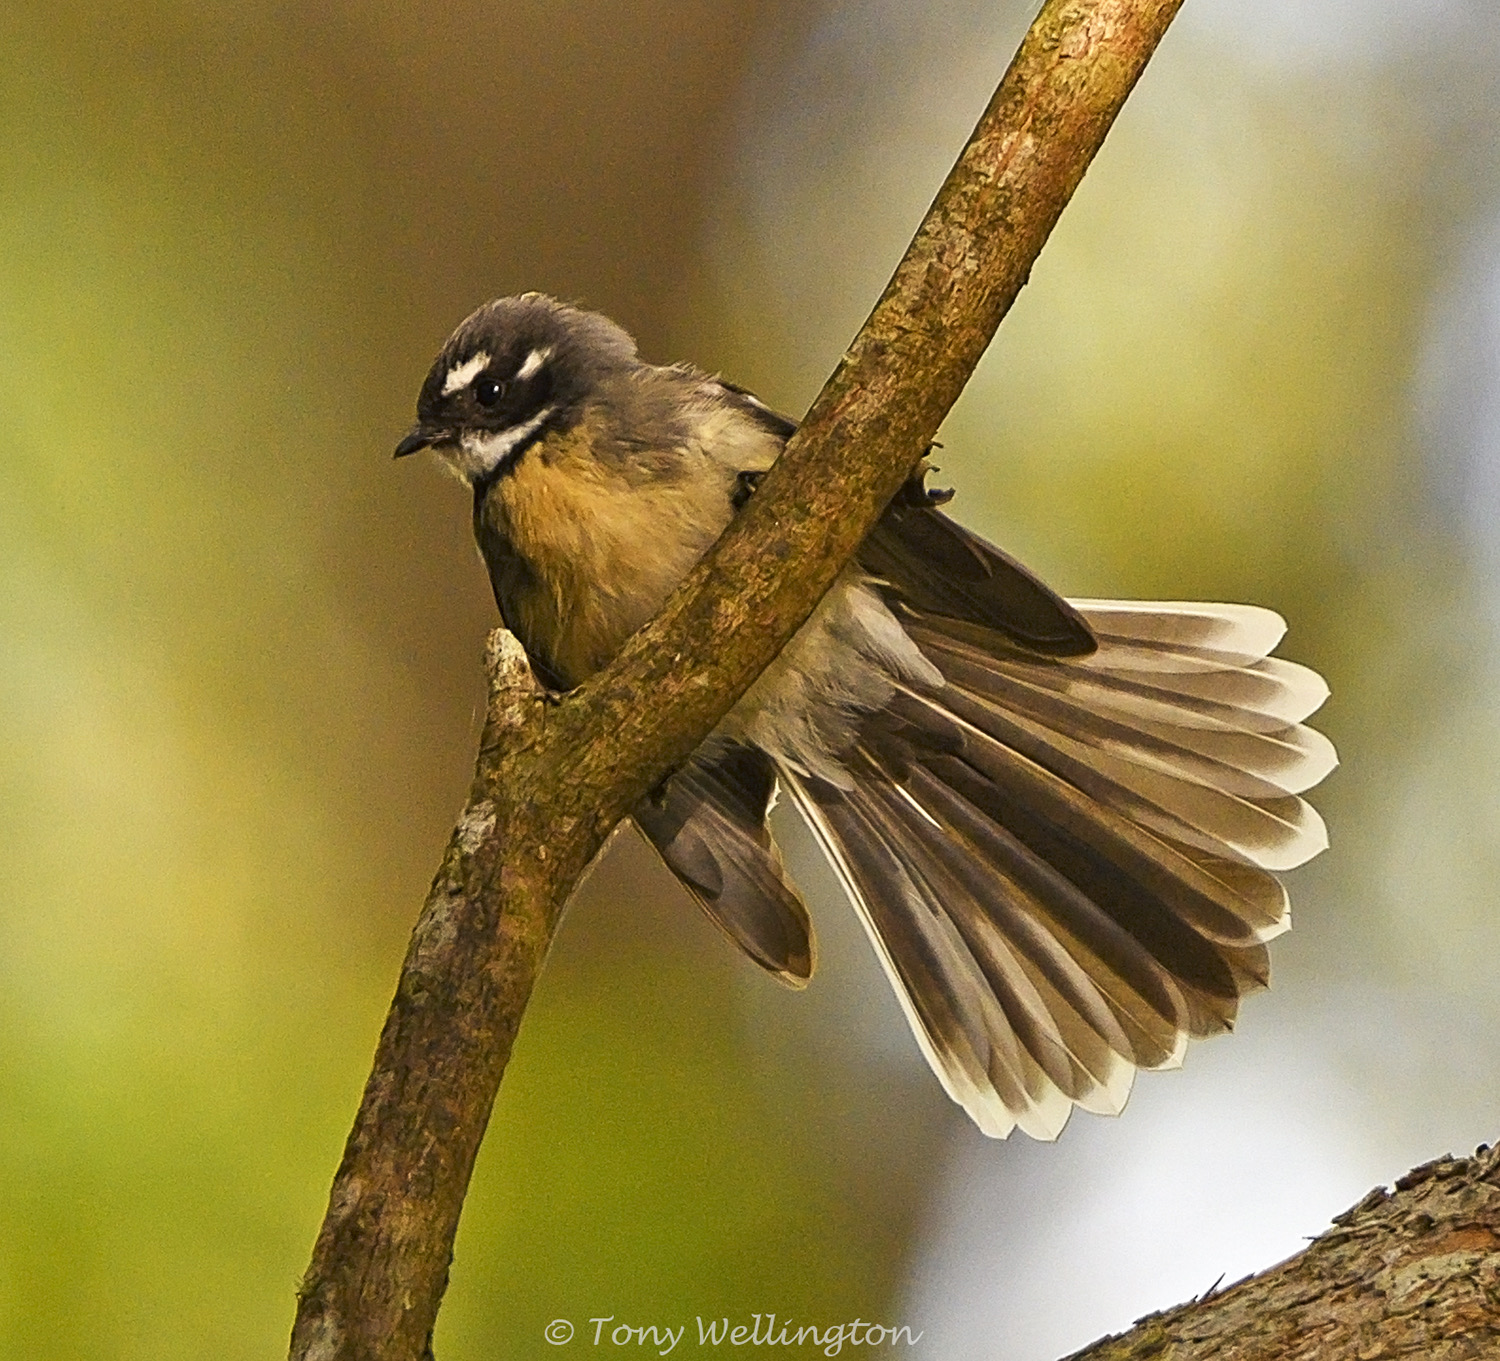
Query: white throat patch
480	452
461	375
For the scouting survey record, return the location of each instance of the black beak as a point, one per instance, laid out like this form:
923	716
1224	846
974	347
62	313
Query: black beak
418	437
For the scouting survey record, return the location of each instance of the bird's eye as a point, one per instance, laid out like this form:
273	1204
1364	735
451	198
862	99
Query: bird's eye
487	391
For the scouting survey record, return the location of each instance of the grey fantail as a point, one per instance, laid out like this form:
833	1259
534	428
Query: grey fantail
1059	821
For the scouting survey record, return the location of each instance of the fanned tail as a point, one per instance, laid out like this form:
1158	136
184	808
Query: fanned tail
1066	863
1060	821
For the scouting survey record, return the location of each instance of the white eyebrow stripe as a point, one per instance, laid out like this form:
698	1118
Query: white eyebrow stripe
461	375
534	361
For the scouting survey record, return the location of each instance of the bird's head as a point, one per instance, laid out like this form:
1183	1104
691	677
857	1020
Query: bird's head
513	370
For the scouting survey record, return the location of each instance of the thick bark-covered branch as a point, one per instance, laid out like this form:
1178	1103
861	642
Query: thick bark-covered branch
555	777
1410	1274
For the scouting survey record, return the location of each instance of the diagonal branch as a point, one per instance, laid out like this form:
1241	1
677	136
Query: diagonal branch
554	778
1409	1273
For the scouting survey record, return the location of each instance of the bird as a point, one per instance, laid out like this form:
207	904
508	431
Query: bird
1061	822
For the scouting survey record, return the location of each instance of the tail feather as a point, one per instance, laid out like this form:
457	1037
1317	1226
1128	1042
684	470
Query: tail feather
1121	870
1050	1002
955	882
952	1013
1274	833
1270	689
1251	765
1247	632
1255	764
1064	862
1006	1043
1042	904
1181	690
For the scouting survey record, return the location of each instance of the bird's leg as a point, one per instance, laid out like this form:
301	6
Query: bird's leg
744	484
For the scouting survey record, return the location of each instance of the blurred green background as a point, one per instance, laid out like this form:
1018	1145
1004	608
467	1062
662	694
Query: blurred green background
239	649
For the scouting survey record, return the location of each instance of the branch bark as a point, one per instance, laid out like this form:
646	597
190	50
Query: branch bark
553	779
1410	1274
